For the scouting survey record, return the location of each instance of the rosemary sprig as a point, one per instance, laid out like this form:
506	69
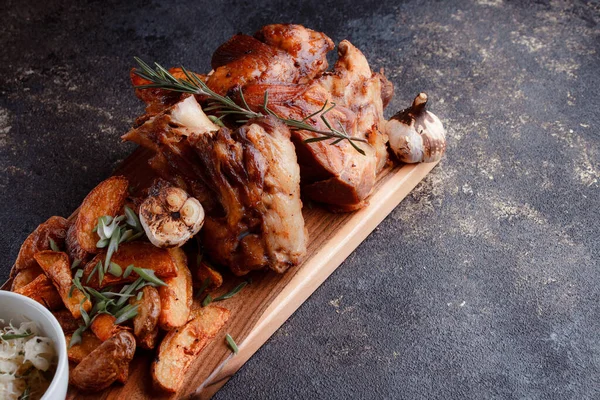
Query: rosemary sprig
223	105
233	292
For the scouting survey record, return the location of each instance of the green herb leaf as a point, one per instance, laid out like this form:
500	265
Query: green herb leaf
100	273
112	247
53	245
126	313
149	276
115	269
94	270
207	300
76	337
128	271
11	336
233	292
102	243
136	236
85	316
140	295
232	343
204	286
125	234
76	263
132	219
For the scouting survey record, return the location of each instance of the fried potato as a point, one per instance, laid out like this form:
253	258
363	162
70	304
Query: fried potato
204	272
105	199
176	298
72	246
56	266
43	291
181	346
145	323
25	277
89	342
140	254
104	327
65	320
105	364
54	228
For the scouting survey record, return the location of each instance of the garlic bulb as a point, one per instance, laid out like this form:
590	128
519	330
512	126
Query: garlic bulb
416	135
170	216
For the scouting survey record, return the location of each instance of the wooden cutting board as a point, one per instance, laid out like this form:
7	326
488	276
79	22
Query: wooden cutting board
264	305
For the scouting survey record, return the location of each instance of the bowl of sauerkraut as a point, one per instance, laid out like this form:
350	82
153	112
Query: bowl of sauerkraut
33	351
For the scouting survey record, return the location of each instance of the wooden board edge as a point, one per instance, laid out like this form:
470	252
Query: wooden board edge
325	262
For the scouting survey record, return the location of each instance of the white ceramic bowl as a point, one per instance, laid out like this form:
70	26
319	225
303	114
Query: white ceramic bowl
17	308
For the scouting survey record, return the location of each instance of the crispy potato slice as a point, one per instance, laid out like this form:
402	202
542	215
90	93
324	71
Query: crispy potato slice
204	272
104	327
105	199
89	342
43	291
105	364
181	346
65	320
54	228
145	323
72	246
56	266
176	298
25	277
140	254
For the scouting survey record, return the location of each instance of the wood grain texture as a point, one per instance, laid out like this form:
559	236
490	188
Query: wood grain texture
264	305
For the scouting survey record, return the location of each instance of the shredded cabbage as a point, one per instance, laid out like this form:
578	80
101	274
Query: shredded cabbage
26	363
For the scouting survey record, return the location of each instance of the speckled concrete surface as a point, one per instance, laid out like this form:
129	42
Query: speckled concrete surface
483	283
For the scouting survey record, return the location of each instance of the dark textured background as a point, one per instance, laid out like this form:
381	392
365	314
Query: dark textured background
483	283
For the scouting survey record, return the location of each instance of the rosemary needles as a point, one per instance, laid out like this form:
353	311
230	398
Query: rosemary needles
223	105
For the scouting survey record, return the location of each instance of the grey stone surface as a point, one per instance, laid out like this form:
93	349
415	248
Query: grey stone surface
483	283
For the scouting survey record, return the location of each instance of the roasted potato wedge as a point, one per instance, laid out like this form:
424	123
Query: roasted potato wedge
56	266
204	272
145	323
89	342
43	291
54	228
105	364
104	327
176	298
140	254
105	199
73	248
65	320
25	277
182	345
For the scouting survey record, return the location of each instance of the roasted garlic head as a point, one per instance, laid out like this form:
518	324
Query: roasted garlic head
416	135
170	216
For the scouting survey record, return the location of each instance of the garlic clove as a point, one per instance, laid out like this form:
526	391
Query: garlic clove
170	217
415	134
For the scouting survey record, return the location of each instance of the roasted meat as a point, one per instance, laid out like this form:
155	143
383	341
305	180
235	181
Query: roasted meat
248	180
277	53
333	174
257	179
